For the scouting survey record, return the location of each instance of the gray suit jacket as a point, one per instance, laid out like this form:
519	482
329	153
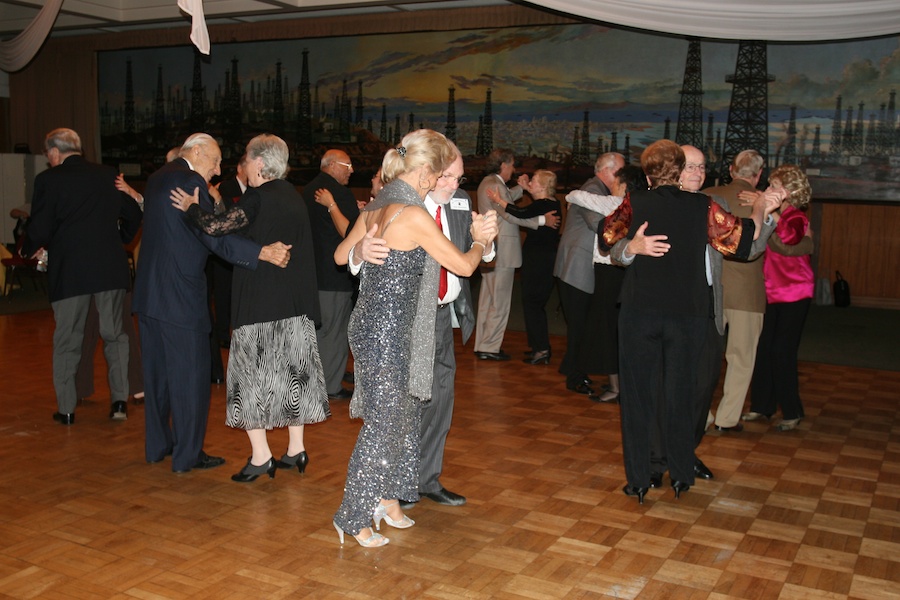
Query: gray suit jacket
575	255
715	261
508	242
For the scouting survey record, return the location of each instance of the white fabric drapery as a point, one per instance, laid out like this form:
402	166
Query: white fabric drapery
769	20
199	32
18	52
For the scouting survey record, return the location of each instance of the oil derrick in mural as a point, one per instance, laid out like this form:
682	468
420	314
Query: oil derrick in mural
128	125
576	145
198	97
626	151
837	133
748	114
384	132
689	129
278	102
159	109
485	142
450	129
614	141
584	148
343	115
790	145
232	132
816	156
667	129
479	137
397	135
304	110
359	105
411	126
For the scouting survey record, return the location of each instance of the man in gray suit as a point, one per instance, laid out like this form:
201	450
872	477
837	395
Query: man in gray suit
575	270
452	208
495	295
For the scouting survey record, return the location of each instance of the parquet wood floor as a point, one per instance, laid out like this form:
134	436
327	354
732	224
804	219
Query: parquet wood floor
799	515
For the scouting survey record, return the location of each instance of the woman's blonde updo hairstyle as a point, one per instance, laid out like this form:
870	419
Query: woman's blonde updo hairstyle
547	180
274	153
421	148
795	182
663	162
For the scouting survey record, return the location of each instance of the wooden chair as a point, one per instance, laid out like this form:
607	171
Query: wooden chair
14	265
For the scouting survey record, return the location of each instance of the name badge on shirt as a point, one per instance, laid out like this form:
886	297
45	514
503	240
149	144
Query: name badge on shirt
458	204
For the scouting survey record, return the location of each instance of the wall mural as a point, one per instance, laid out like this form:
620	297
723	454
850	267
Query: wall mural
556	95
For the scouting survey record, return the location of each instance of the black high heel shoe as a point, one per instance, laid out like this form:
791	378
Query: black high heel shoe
679	486
541	357
299	460
250	471
631	490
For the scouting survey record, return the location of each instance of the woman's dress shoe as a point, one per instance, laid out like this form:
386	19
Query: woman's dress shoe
787	424
250	471
373	541
299	460
542	357
631	490
64	418
755	416
381	514
680	486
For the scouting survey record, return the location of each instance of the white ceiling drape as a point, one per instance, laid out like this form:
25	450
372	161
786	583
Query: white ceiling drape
769	20
18	52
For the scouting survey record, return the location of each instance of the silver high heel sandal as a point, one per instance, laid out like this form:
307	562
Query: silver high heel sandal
373	541
381	513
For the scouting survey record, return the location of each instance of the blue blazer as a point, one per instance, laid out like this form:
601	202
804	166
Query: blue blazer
171	283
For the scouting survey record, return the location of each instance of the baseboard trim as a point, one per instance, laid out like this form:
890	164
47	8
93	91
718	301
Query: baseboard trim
870	302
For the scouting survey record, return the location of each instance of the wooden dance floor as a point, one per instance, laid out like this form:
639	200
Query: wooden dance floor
806	514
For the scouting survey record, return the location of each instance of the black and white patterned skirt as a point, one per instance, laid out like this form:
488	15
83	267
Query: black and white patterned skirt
275	376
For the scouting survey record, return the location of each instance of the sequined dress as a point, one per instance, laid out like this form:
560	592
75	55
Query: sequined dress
384	463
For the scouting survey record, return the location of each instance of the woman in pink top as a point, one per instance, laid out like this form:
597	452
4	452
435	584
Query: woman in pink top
789	291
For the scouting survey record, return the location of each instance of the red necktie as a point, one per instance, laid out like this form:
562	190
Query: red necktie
442	287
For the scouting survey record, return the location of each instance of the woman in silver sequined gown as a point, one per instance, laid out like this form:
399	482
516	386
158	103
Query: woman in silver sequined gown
392	332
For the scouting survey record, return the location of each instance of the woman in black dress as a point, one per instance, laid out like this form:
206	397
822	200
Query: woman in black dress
275	377
538	258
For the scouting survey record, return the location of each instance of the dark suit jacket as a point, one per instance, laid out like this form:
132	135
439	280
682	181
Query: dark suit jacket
76	215
231	192
326	239
171	283
459	220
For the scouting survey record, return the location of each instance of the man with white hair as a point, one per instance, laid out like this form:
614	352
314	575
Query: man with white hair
170	299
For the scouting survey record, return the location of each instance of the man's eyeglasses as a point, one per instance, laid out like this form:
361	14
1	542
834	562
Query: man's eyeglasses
459	180
692	167
348	165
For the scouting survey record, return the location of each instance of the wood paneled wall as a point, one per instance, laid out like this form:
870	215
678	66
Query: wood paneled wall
59	89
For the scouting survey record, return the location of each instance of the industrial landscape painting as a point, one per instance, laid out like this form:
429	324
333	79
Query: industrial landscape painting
557	95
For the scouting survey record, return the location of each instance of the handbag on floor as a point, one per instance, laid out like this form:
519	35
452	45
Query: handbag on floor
841	291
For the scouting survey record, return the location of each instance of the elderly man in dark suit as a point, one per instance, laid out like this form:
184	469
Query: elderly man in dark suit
82	221
170	299
330	225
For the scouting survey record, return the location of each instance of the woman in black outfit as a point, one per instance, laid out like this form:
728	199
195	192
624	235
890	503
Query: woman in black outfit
665	308
538	257
275	376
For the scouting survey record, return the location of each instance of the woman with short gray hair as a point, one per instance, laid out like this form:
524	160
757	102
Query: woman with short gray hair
275	376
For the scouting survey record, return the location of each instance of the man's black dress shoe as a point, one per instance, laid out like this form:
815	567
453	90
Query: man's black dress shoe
118	411
656	480
581	388
701	470
445	497
64	418
736	428
501	355
205	461
344	394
